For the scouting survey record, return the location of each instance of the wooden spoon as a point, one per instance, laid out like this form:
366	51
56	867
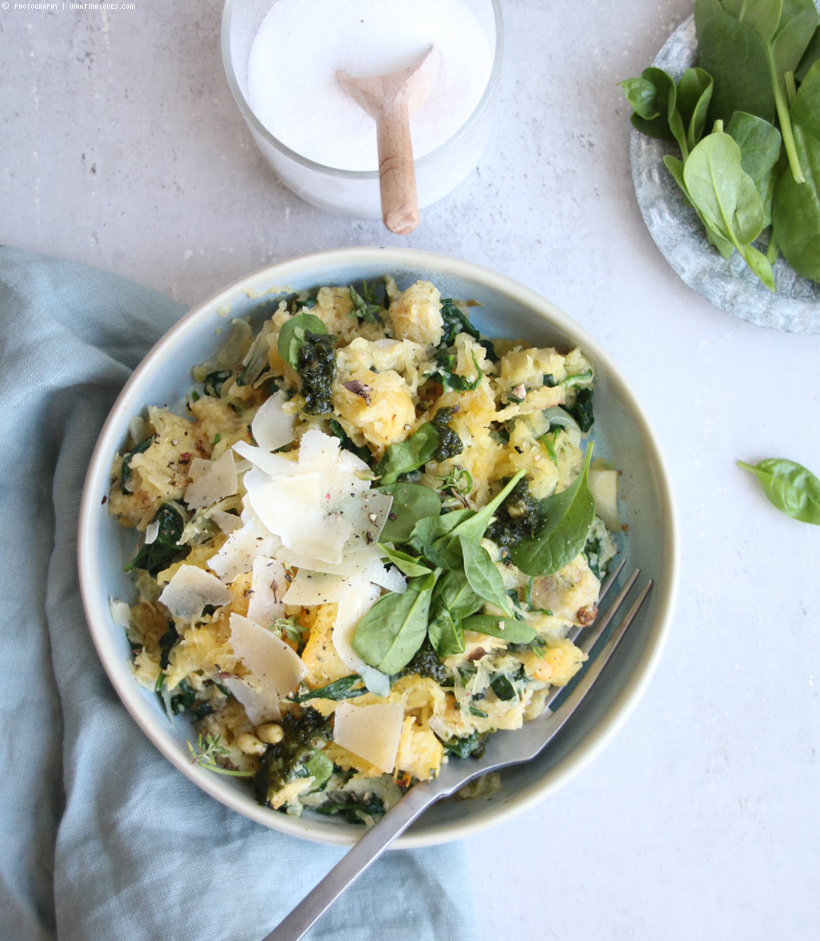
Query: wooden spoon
391	100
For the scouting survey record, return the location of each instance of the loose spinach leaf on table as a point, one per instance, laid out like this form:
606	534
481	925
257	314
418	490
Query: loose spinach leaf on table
792	488
395	627
565	521
411	503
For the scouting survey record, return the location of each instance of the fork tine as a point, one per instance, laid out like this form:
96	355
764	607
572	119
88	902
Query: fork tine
572	694
610	581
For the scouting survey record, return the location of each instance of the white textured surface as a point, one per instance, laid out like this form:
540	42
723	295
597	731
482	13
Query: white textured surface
122	147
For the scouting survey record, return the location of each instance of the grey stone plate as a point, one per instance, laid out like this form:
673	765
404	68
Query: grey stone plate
677	231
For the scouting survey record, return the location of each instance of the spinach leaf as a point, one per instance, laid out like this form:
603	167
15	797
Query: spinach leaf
503	688
675	168
654	98
704	9
355	808
450	380
473	527
337	690
565	521
513	631
727	199
395	627
483	576
319	767
455	322
468	746
164	550
454	592
409	455
166	644
125	470
582	410
406	563
806	108
292	336
445	634
735	56
796	210
810	56
792	488
694	95
182	700
758	141
411	503
363	453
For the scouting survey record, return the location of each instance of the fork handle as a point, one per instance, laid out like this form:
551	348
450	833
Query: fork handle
348	869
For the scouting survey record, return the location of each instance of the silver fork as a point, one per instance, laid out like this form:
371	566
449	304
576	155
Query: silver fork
503	749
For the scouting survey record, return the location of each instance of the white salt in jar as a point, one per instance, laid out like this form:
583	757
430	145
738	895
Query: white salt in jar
449	135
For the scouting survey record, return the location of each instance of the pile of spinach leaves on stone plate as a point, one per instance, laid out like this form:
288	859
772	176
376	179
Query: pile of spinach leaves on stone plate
757	87
452	576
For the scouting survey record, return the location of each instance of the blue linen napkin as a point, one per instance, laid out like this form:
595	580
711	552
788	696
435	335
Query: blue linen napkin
101	836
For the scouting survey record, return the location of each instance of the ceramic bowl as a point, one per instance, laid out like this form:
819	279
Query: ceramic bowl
622	434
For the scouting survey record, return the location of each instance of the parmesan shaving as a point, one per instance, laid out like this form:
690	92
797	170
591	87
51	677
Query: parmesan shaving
261	701
310	588
371	732
227	522
214	484
267	590
190	590
272	427
268	658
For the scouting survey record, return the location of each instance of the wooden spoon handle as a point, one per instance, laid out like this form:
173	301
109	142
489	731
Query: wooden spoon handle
397	173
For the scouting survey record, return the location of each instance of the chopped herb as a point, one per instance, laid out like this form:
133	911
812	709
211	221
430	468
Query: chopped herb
516	518
503	688
302	727
477	712
207	750
426	663
550	381
449	443
217	439
316	365
365	308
